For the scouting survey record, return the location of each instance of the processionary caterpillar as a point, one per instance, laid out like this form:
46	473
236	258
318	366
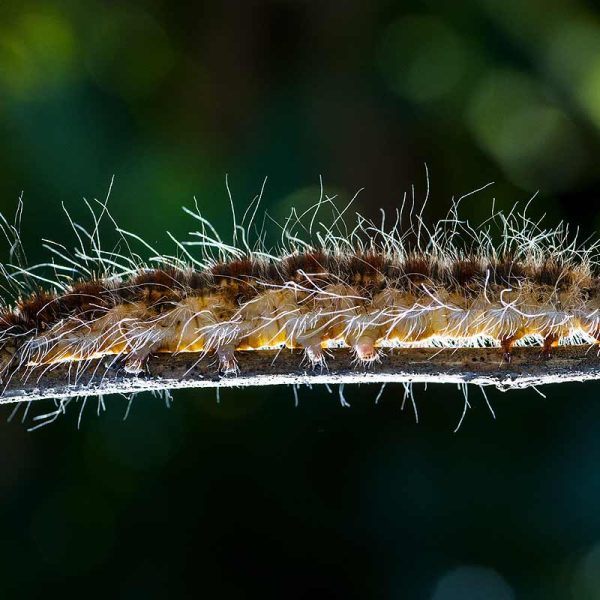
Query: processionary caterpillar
341	282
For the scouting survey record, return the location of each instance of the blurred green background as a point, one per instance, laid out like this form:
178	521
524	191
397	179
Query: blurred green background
251	496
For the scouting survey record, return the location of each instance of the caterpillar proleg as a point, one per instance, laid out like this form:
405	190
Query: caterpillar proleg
393	299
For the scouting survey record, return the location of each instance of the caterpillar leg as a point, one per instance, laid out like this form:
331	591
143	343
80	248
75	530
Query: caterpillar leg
135	362
365	349
550	342
138	352
307	331
314	353
506	344
311	342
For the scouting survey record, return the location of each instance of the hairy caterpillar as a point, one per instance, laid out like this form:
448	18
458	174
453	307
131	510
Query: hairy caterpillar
343	282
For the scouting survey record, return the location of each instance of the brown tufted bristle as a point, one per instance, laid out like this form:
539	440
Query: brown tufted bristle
507	271
310	269
416	270
12	322
552	274
153	286
236	271
366	269
198	281
310	263
272	273
465	274
39	310
157	279
237	279
85	299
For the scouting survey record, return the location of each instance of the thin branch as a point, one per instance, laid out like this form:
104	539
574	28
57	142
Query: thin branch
480	366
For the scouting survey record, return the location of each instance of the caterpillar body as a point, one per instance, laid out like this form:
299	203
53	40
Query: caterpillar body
366	286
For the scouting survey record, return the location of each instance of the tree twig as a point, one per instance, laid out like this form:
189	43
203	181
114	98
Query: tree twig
480	366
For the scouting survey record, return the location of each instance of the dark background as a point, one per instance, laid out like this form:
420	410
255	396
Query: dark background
251	496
